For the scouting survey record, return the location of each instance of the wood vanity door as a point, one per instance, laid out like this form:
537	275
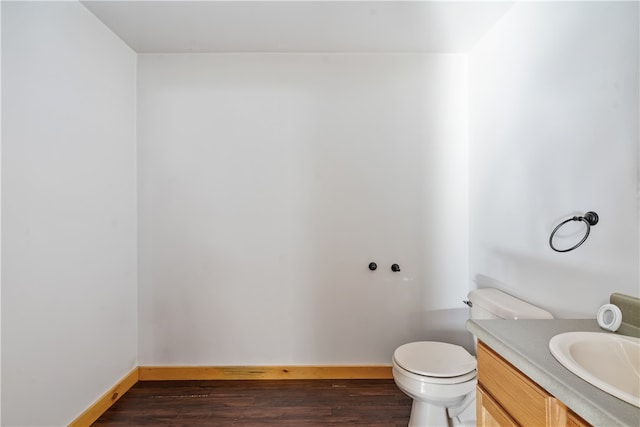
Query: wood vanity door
489	413
507	397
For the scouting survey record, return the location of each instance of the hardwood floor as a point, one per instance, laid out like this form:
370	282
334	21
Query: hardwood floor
374	403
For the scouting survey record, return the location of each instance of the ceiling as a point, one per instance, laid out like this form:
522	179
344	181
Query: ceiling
299	26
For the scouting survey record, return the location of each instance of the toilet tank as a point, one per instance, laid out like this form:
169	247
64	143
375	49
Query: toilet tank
490	303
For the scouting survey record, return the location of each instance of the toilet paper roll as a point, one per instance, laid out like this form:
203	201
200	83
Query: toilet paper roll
609	317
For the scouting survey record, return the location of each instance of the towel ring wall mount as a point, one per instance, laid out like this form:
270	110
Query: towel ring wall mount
590	218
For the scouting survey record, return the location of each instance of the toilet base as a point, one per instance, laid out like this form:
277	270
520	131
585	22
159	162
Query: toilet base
424	414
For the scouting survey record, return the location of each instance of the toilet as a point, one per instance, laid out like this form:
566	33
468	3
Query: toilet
441	377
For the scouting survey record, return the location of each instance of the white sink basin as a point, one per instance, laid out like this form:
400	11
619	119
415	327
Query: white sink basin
609	361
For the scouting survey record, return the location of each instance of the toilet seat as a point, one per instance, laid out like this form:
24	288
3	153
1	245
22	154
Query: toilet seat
435	381
443	362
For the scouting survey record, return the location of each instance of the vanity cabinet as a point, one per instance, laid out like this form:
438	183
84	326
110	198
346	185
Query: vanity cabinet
508	398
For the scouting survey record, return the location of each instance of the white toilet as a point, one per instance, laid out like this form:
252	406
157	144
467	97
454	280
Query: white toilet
441	377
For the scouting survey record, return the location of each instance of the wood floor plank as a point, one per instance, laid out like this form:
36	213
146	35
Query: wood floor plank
248	403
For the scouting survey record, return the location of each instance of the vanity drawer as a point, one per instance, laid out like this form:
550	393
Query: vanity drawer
524	400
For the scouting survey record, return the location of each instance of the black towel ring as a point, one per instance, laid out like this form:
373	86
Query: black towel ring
590	218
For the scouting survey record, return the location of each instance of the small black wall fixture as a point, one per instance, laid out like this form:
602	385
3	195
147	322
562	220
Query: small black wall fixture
373	266
590	218
395	268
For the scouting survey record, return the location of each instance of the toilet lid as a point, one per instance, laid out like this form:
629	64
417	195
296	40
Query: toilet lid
434	359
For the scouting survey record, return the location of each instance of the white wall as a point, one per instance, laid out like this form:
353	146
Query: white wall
554	133
267	183
69	328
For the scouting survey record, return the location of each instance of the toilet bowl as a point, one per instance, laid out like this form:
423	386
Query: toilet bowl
441	377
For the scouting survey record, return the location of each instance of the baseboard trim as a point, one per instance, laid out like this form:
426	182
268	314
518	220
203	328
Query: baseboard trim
101	405
168	373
